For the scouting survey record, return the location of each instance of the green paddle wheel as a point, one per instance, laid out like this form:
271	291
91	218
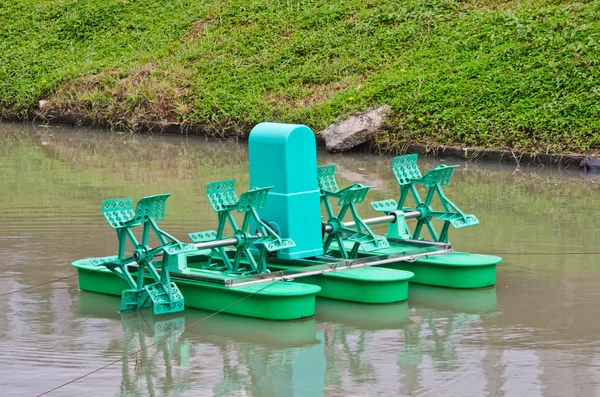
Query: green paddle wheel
253	236
409	177
163	294
360	233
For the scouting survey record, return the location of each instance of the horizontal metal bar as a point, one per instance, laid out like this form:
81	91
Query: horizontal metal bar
217	243
289	275
412	214
419	242
211	244
368	221
379	219
198	277
373	221
304	271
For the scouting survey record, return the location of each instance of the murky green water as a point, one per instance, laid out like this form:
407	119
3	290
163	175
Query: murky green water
535	334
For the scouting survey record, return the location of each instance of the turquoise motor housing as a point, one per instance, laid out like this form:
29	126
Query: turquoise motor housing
284	156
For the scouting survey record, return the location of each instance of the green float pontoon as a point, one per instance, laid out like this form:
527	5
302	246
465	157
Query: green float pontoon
278	301
249	272
452	269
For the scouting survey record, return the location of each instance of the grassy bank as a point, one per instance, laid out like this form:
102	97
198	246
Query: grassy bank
516	74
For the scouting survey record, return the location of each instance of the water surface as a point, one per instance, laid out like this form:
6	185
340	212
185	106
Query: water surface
534	334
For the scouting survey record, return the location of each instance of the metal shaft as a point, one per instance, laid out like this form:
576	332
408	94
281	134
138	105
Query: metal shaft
331	267
369	221
217	243
379	219
211	244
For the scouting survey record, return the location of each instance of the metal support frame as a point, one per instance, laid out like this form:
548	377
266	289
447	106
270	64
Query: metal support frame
324	265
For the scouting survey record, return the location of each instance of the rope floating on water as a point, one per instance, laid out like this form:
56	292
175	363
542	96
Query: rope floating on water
39	285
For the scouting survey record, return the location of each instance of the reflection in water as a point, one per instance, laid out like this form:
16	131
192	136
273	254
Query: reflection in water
468	301
163	345
363	341
535	334
141	330
363	316
214	328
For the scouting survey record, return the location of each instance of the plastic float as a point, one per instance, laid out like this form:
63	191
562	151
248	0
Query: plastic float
282	237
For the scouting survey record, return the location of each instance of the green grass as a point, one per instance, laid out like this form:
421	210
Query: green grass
517	74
